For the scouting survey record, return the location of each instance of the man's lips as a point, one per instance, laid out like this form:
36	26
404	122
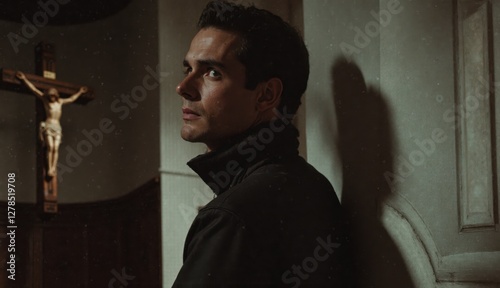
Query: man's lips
188	114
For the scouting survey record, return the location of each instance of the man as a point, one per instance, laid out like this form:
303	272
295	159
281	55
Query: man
276	221
50	129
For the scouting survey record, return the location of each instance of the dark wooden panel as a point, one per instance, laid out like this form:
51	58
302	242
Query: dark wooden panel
87	245
64	257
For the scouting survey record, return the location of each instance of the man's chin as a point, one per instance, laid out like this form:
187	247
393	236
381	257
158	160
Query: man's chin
188	134
188	138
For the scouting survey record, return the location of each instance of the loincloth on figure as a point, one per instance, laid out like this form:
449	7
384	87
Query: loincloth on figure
50	129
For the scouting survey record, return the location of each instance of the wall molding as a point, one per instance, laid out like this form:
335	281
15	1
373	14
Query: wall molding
474	137
427	266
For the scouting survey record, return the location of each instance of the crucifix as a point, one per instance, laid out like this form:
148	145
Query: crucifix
51	94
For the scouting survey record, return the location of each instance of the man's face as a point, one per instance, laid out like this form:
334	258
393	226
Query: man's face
216	105
52	94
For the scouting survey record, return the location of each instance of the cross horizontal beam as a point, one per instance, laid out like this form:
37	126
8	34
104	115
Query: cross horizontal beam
65	89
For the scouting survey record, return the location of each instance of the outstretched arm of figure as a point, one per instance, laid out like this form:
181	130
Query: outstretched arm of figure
20	75
75	96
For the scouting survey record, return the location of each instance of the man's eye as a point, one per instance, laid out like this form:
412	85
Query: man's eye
187	70
213	73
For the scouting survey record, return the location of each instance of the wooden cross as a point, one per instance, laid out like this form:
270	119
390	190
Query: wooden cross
44	80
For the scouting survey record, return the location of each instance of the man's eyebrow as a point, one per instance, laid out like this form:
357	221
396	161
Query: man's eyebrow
205	62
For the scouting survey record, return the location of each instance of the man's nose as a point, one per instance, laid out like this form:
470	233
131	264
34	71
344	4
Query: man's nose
187	88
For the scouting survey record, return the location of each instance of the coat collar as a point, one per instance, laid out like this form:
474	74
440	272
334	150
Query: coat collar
222	168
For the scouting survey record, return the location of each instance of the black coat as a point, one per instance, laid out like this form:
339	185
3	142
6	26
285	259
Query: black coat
275	222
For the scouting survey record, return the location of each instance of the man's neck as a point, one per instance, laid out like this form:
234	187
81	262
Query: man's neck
231	139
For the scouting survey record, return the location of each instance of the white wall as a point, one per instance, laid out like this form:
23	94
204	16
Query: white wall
364	119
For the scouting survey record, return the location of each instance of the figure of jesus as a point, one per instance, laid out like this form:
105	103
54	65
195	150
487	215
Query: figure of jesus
50	129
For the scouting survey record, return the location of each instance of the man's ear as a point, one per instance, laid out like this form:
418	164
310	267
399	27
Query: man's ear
271	94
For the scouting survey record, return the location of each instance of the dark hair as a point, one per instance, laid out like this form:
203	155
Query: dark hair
270	47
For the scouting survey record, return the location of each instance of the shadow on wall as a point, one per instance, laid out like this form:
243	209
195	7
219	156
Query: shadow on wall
365	148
